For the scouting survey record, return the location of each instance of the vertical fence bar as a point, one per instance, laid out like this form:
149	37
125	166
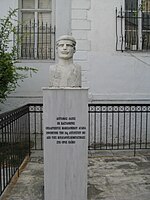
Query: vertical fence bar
121	30
12	149
3	160
54	40
101	133
130	128
18	38
124	127
135	132
112	127
42	40
89	125
95	122
41	132
146	127
30	41
34	33
29	134
106	127
22	41
147	35
141	117
18	158
35	127
118	130
37	36
46	42
6	161
9	169
116	31
26	42
50	38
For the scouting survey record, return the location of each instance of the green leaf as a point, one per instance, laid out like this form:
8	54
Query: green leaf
9	73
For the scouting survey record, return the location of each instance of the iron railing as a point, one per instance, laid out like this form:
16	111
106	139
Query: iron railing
133	27
14	143
35	41
119	127
110	127
36	126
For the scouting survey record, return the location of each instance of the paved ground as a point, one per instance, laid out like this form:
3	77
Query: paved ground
119	178
111	176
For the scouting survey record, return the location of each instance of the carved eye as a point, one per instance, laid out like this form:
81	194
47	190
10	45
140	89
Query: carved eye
68	45
60	45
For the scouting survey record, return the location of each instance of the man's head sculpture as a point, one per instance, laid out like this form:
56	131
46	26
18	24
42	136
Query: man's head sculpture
66	47
65	73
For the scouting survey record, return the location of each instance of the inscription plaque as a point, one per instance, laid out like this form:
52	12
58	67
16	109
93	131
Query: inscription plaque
65	143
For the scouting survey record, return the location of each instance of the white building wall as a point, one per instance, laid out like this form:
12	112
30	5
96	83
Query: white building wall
6	5
109	74
114	75
80	26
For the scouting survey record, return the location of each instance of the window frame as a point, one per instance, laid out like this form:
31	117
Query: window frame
140	29
125	38
37	10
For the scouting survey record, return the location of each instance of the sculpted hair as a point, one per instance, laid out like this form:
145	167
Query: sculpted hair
66	37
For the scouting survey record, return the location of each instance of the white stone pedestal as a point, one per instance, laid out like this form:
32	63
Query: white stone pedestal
65	143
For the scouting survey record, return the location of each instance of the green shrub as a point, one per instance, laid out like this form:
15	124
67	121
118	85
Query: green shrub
10	74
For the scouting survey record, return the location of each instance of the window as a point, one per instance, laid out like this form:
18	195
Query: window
134	25
36	32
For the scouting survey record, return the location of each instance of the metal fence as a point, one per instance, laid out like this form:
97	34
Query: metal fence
14	143
36	126
35	41
110	127
119	127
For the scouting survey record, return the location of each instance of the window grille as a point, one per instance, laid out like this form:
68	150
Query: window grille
36	34
133	26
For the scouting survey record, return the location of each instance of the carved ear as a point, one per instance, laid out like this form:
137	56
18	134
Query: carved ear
74	50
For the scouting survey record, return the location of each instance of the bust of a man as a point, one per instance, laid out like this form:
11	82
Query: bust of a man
65	73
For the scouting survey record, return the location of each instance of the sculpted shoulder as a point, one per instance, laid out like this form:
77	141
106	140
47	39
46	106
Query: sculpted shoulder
53	67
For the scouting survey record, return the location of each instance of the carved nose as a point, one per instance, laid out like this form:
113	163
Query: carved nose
64	47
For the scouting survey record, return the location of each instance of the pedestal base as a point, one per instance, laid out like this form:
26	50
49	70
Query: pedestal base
65	143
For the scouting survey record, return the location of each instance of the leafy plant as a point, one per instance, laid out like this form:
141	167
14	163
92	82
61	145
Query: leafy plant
10	74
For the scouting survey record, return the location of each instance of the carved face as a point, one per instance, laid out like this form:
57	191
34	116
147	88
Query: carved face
65	49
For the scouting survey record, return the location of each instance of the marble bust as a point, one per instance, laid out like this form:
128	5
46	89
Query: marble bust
65	73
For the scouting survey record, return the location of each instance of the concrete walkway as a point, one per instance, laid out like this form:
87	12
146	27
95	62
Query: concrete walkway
111	176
